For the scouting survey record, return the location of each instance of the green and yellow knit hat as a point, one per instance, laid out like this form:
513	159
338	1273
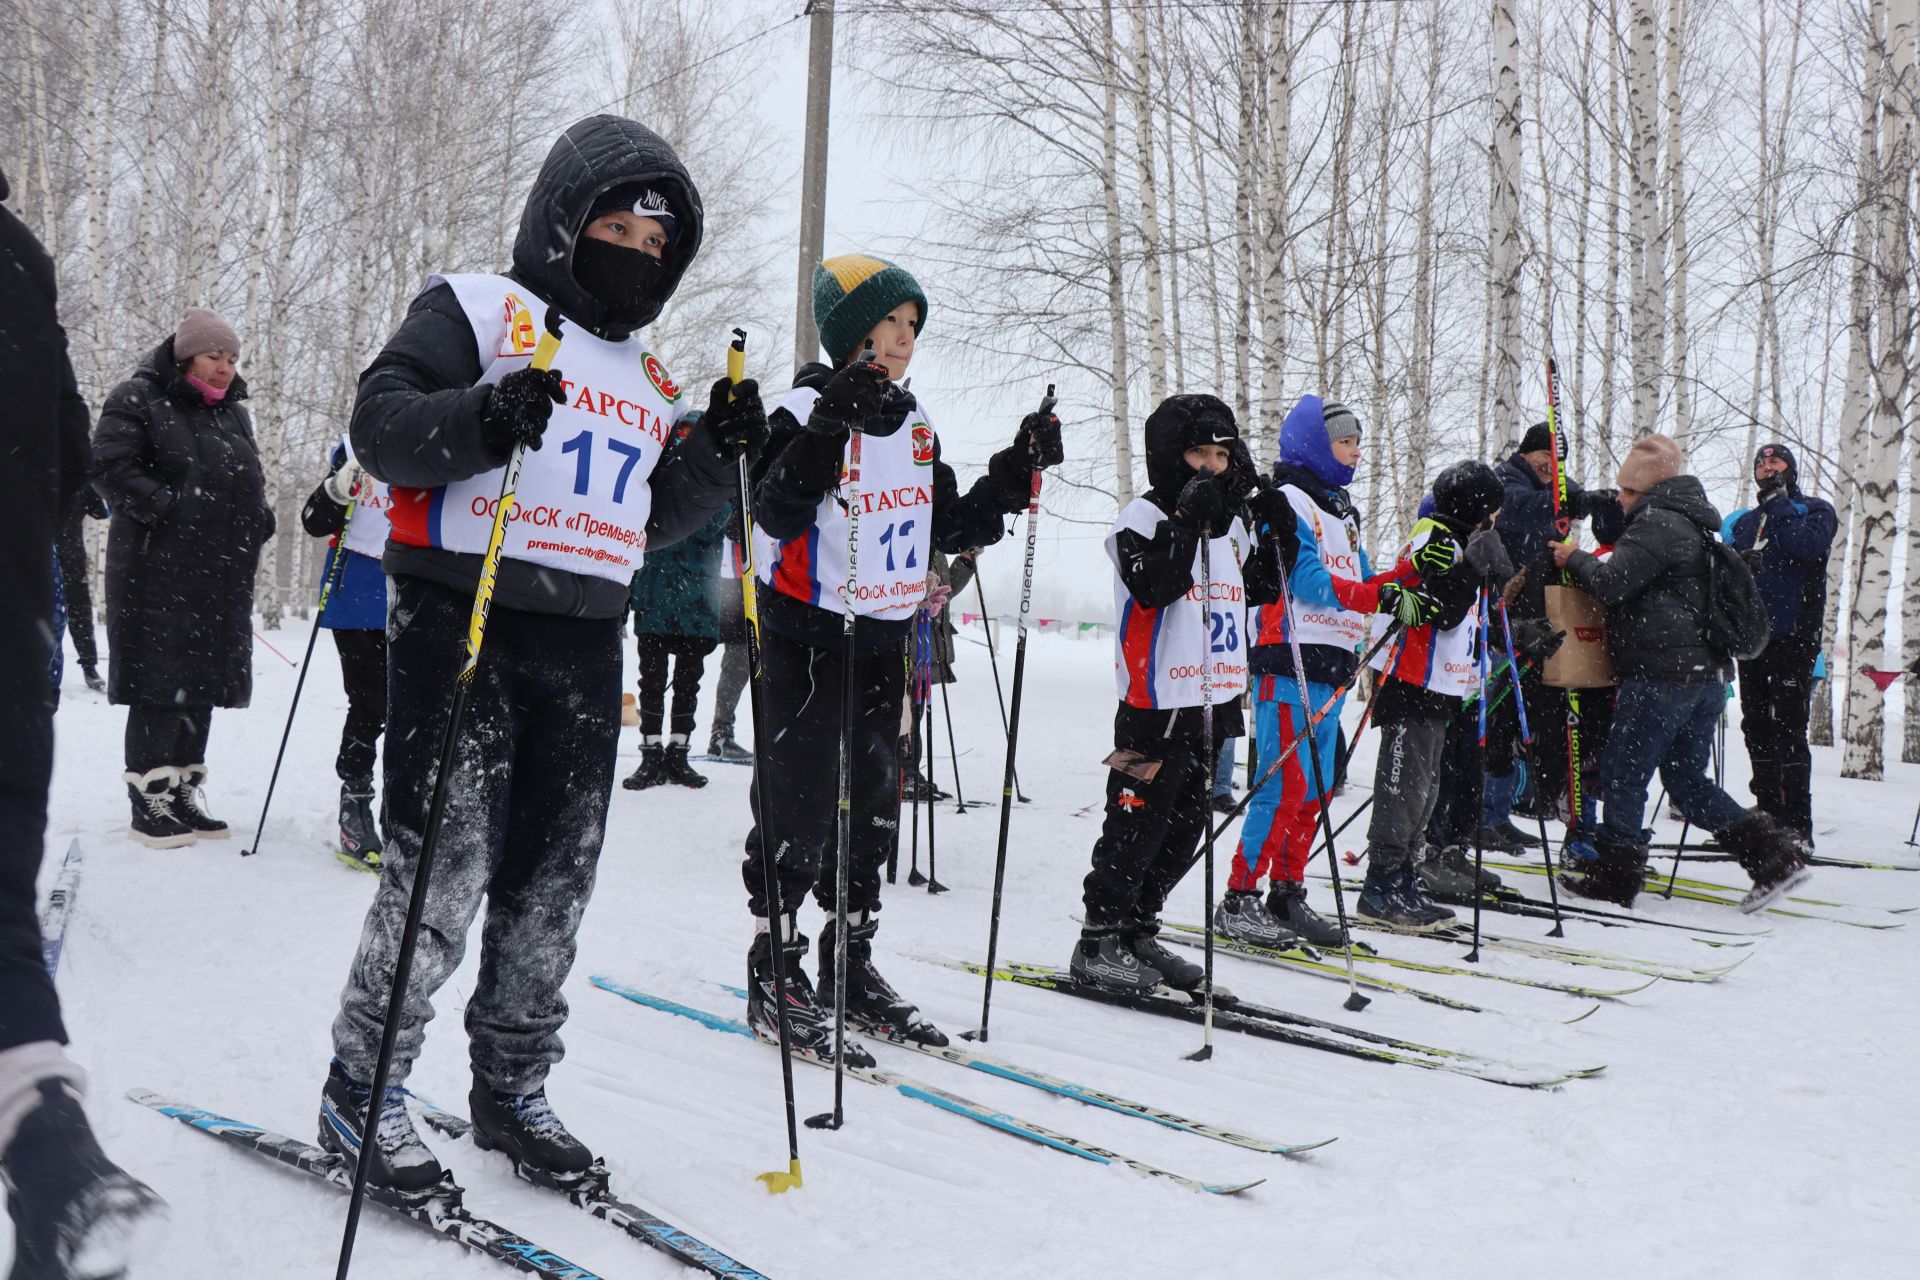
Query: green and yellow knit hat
852	293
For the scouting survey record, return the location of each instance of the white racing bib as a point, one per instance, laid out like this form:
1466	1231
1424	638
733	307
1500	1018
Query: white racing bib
896	525
367	531
1158	654
584	495
1443	661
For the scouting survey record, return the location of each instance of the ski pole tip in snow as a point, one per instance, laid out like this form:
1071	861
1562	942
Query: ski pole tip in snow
1355	1002
777	1181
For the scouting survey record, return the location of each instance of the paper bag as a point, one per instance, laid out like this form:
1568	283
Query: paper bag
1583	660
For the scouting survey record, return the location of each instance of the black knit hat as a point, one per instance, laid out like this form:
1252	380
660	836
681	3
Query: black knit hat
1774	449
1539	439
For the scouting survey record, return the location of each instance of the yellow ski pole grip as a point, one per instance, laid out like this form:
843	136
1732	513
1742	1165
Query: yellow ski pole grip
543	354
737	357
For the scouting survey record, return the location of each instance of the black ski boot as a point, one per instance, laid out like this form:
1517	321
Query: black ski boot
155	824
1287	901
1103	959
809	1023
524	1126
75	1212
652	771
1616	876
1518	837
722	747
1243	917
1176	971
359	835
1769	854
94	682
674	767
1495	840
189	804
1392	897
1448	878
400	1160
872	1003
915	785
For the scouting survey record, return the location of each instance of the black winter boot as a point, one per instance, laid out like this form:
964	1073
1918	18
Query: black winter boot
155	824
1616	876
809	1023
75	1212
526	1129
190	804
401	1161
94	682
872	1003
652	771
359	835
1767	853
723	747
674	767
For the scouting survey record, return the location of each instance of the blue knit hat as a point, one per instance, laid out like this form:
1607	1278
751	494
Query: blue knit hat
852	293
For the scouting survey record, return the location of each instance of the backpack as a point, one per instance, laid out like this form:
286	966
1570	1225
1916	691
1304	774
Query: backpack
1736	619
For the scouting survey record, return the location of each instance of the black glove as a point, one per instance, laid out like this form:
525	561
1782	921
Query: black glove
1588	501
735	421
1203	506
1242	476
1413	606
851	396
1039	440
1755	557
1487	556
1276	516
94	505
1435	557
1774	486
1535	638
518	408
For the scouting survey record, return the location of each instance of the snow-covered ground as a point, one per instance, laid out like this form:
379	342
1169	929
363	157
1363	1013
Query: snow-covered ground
1764	1125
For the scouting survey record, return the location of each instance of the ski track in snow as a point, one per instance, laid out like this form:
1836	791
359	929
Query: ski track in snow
1764	1125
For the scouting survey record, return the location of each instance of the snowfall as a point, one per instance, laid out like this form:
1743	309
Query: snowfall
1764	1124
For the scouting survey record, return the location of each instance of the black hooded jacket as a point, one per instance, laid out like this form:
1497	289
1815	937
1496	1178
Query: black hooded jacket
799	467
416	419
1526	526
1654	585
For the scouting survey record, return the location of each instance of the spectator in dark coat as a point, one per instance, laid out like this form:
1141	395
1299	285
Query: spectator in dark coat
1526	530
75	576
174	456
64	1195
675	618
1785	536
1672	682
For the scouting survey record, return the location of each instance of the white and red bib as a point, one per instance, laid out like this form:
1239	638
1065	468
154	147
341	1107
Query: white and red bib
896	525
1159	654
367	531
1443	661
584	496
1327	624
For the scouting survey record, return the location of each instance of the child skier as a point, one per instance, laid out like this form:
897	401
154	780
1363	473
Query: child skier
609	227
356	613
910	502
1334	593
1425	674
1174	655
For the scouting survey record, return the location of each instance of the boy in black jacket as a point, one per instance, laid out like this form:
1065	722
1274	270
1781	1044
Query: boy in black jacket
909	503
1175	654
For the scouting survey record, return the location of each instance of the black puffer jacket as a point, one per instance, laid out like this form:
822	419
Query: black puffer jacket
1526	526
190	515
1654	585
416	419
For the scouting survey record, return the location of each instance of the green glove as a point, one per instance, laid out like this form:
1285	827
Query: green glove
1413	606
1435	558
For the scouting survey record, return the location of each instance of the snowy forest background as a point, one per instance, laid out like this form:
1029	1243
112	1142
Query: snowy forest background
1704	208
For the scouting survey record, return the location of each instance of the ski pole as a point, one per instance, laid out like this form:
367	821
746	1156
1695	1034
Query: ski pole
775	1181
913	873
844	835
335	561
900	780
1686	824
1479	849
1010	783
1533	752
543	355
268	644
993	662
953	750
1207	766
933	879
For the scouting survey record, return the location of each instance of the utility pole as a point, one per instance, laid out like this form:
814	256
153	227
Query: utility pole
813	181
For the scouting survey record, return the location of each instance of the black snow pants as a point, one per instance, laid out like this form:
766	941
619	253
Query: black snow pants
1776	699
1152	827
800	764
29	1009
526	816
71	547
363	670
689	655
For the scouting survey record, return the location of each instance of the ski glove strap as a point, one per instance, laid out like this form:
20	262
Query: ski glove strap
518	408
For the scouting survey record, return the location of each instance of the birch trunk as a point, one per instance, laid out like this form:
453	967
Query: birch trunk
1580	232
98	162
1420	371
1879	490
1149	208
1244	169
1503	230
1610	344
1116	278
1648	306
1677	223
153	301
1273	192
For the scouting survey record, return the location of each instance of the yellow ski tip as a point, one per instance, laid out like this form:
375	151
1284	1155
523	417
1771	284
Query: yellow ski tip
778	1182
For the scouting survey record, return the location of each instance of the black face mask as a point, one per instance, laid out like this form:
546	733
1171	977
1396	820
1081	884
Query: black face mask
627	282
